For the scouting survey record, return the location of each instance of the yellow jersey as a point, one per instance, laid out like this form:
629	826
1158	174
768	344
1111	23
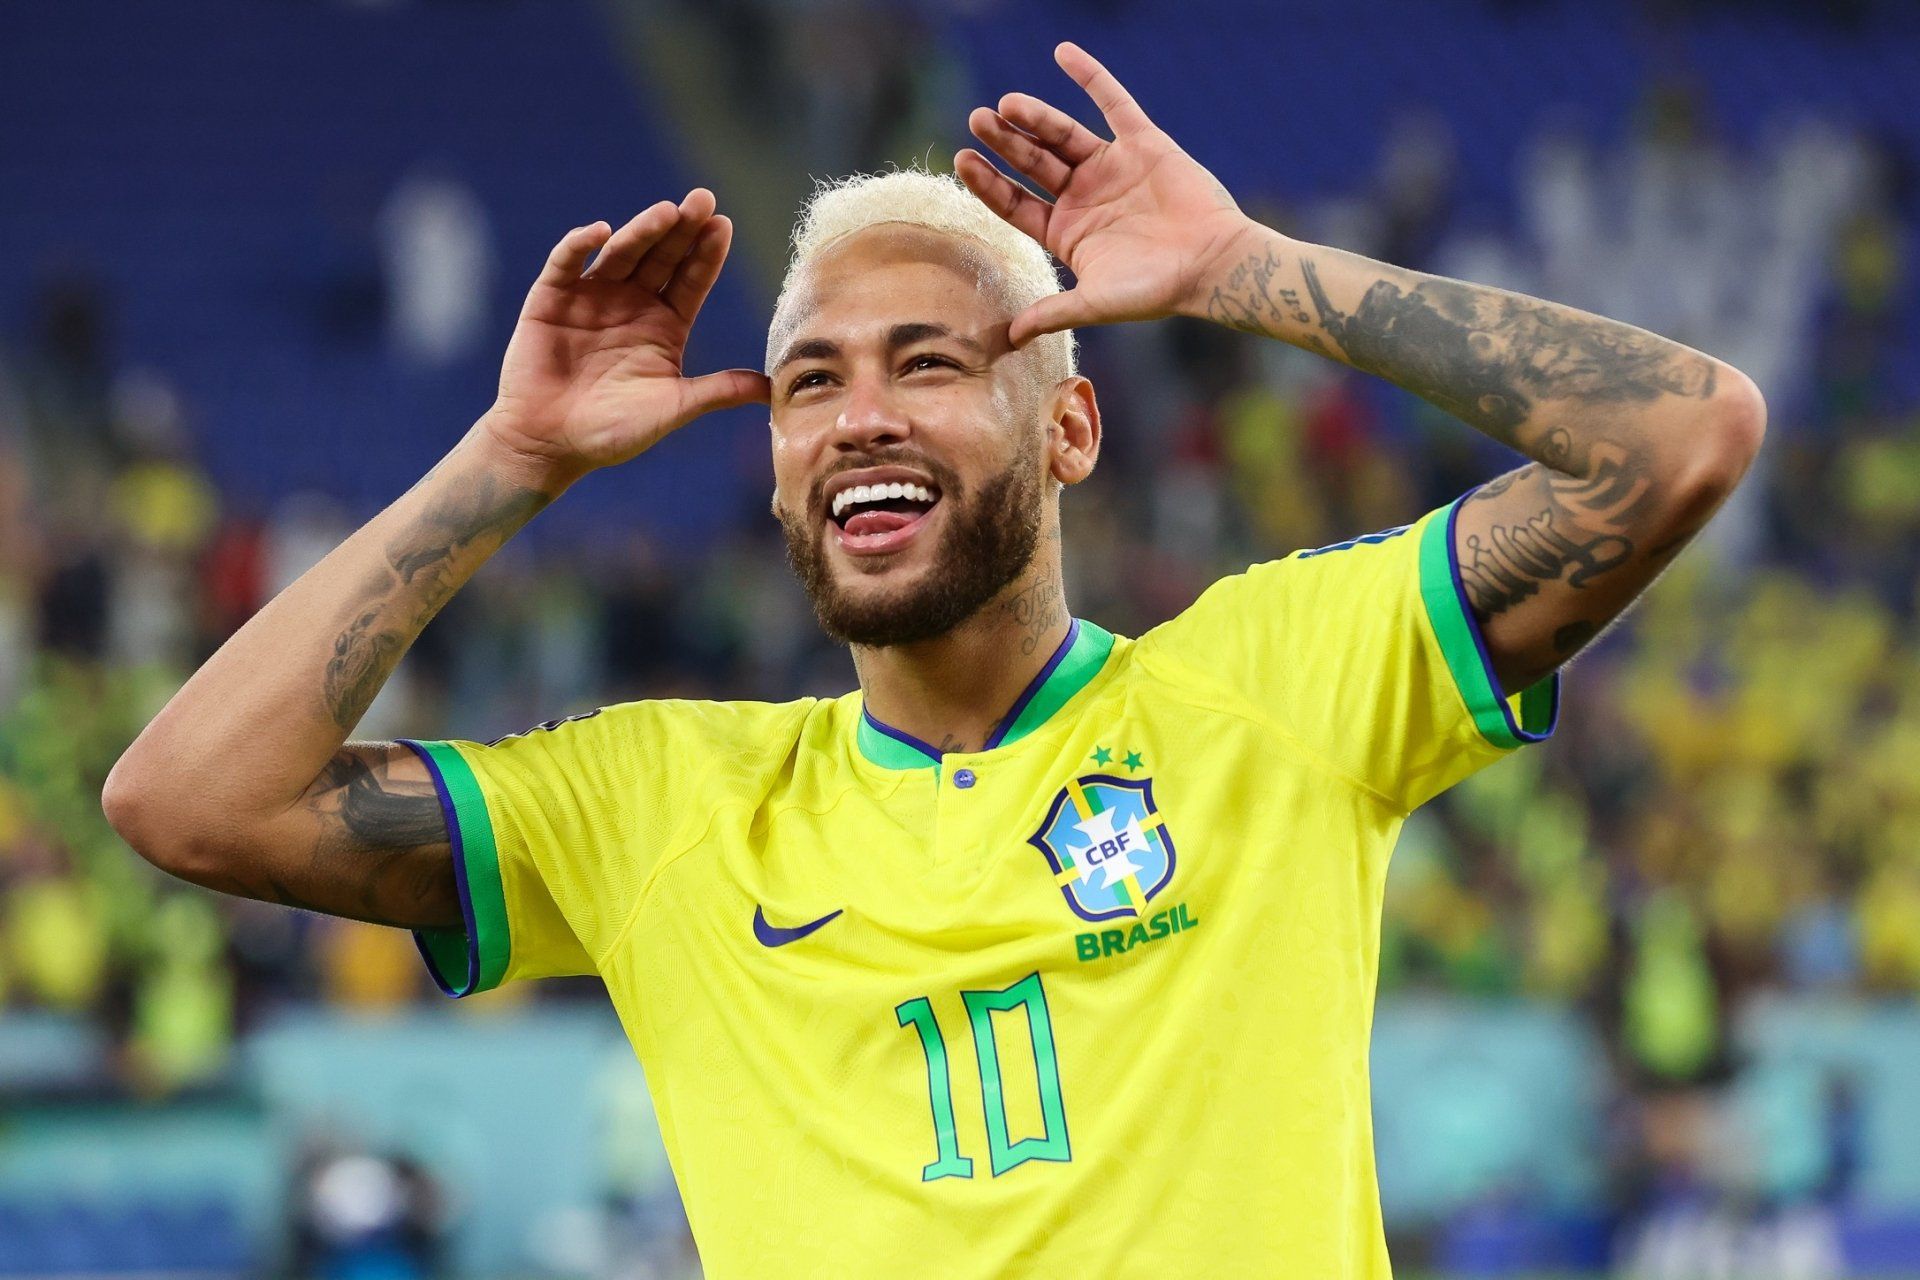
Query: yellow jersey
1094	999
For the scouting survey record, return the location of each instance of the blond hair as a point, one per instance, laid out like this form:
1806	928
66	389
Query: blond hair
1018	270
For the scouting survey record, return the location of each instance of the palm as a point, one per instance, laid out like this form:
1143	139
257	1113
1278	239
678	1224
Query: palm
593	374
599	357
1136	218
1113	225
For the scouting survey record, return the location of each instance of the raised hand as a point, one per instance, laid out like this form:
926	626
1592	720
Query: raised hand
1138	220
593	374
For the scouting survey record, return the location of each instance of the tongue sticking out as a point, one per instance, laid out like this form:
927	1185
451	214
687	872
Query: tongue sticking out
867	522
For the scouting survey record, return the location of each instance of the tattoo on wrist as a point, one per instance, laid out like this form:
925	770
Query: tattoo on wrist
423	570
1247	299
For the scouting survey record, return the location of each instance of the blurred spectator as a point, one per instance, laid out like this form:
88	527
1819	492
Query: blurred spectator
359	1216
438	256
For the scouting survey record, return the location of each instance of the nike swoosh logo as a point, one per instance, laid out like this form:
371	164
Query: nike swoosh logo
771	935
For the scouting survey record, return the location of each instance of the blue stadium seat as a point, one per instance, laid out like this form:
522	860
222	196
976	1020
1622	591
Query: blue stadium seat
1496	1240
22	1249
207	1235
1512	1240
80	1237
1880	1244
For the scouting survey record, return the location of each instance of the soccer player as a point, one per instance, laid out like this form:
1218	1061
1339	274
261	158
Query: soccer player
1047	949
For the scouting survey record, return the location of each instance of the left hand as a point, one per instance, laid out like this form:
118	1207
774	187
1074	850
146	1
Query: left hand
1139	221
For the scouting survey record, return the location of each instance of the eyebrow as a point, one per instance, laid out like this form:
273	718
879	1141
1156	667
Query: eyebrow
901	335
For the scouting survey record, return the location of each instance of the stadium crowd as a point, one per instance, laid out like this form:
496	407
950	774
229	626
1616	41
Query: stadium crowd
1728	809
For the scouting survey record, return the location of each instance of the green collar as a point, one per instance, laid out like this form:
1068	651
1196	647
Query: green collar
1077	660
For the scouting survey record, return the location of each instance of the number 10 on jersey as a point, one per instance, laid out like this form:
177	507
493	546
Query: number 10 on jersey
1028	996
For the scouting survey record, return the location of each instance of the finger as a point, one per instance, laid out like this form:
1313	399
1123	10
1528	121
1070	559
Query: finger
664	258
724	390
1115	103
687	291
1018	149
1056	130
564	263
1052	314
1026	211
631	242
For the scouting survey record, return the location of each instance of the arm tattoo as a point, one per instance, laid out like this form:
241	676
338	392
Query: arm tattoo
1512	561
377	811
1593	402
383	853
1246	301
1491	359
423	570
1582	529
1250	300
1488	357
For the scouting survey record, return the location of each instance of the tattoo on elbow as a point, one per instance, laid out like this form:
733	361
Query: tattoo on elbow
1511	563
376	811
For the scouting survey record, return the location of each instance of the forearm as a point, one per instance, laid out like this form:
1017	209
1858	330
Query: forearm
243	781
1635	440
1578	393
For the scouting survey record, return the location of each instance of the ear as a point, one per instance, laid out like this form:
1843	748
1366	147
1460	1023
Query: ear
1073	436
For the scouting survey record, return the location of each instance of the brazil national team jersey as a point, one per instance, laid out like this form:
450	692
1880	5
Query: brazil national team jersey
1093	1000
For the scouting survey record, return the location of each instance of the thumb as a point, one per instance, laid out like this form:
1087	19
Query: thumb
1053	313
724	390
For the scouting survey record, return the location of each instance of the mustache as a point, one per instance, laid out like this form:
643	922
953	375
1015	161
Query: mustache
943	476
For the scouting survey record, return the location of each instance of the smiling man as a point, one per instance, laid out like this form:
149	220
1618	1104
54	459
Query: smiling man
1045	950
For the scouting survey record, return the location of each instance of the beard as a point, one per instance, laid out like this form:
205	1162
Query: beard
990	539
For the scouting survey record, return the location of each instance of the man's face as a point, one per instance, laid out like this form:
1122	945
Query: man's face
908	439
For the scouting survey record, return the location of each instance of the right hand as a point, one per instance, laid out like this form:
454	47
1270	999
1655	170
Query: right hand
593	376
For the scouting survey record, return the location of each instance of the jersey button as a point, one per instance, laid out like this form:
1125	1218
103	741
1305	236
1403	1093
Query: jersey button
964	778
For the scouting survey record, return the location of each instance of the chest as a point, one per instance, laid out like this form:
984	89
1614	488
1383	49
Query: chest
1123	860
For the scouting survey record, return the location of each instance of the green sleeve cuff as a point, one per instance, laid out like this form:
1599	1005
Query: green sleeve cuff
1505	722
473	958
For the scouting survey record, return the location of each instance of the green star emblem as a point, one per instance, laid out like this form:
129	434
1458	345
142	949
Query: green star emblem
1102	756
1133	761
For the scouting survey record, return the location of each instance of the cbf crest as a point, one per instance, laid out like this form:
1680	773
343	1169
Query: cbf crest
1108	846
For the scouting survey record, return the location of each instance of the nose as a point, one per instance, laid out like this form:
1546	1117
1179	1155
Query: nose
870	416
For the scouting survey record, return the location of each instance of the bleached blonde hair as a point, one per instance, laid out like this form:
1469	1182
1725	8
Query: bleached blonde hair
1015	268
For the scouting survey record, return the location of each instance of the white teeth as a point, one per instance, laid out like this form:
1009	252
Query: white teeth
864	493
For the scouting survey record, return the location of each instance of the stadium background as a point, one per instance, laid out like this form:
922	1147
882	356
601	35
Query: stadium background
1647	1000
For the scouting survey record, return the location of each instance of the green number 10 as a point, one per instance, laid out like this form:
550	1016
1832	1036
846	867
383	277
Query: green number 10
1025	994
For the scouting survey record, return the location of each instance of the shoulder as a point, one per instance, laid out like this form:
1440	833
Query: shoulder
695	725
1320	614
1323	581
660	738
